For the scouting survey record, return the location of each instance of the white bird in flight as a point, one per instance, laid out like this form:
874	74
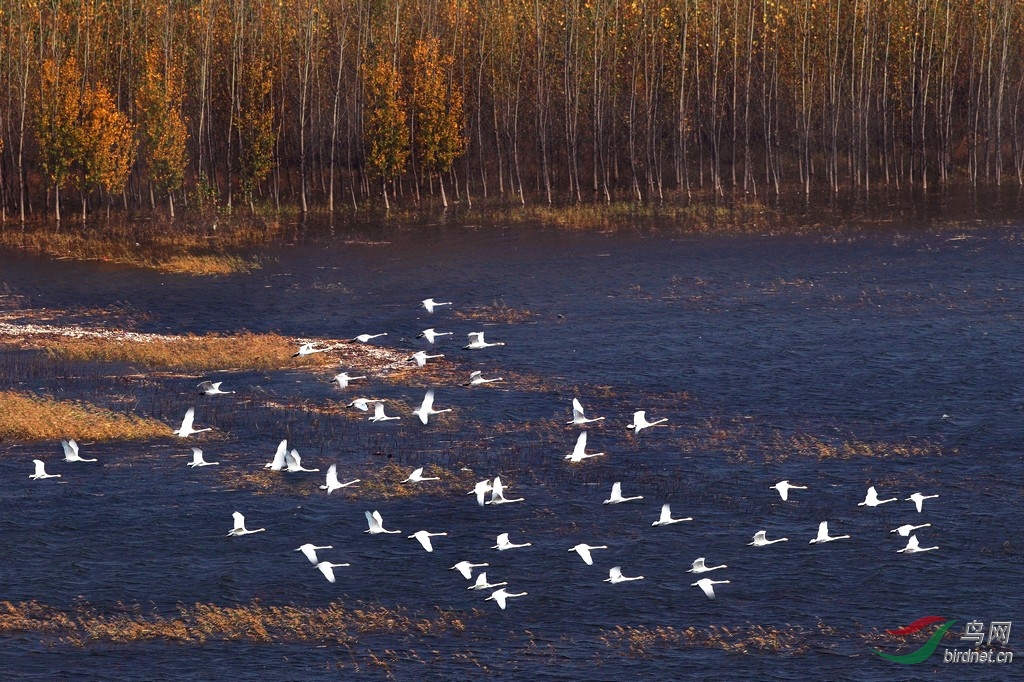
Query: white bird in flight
333	483
239	528
913	546
760	540
376	524
430	304
707	585
186	429
476	378
327	568
466	568
616	496
907	528
417	476
378	414
578	417
785	486
666	517
71	451
578	453
344	378
615	576
420	357
482	583
918	500
500	596
212	388
41	471
431	335
640	421
480	490
309	550
498	493
823	535
423	537
309	349
476	341
280	460
872	499
364	338
198	461
504	543
698	566
294	462
426	408
363	404
583	549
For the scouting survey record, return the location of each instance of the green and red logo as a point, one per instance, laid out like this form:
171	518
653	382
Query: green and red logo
927	649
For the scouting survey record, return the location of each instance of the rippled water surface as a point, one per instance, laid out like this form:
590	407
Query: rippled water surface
767	356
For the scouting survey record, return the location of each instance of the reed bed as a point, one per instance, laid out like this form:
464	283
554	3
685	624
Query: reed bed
203	622
497	311
750	638
30	417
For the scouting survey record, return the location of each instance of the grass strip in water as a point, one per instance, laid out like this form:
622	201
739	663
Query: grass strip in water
31	417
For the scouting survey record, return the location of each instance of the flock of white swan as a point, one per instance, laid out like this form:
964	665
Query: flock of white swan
488	491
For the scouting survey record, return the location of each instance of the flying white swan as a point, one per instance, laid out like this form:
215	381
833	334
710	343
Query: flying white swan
666	517
376	524
309	349
71	451
707	585
309	550
498	493
344	378
363	404
482	583
239	528
476	341
872	499
430	304
423	537
760	540
615	576
294	462
918	500
212	388
698	566
578	417
480	490
616	496
333	483
907	528
823	535
431	335
785	486
583	549
420	357
578	453
504	543
913	546
476	378
466	568
327	568
417	476
640	421
198	461
426	408
41	471
500	596
186	429
378	414
364	338
280	460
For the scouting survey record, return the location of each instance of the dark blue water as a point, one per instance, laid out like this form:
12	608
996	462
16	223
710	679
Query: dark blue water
900	339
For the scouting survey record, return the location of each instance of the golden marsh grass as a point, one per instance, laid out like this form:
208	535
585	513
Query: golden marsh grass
31	417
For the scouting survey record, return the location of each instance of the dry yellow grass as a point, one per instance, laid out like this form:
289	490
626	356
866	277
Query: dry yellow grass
30	417
201	622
